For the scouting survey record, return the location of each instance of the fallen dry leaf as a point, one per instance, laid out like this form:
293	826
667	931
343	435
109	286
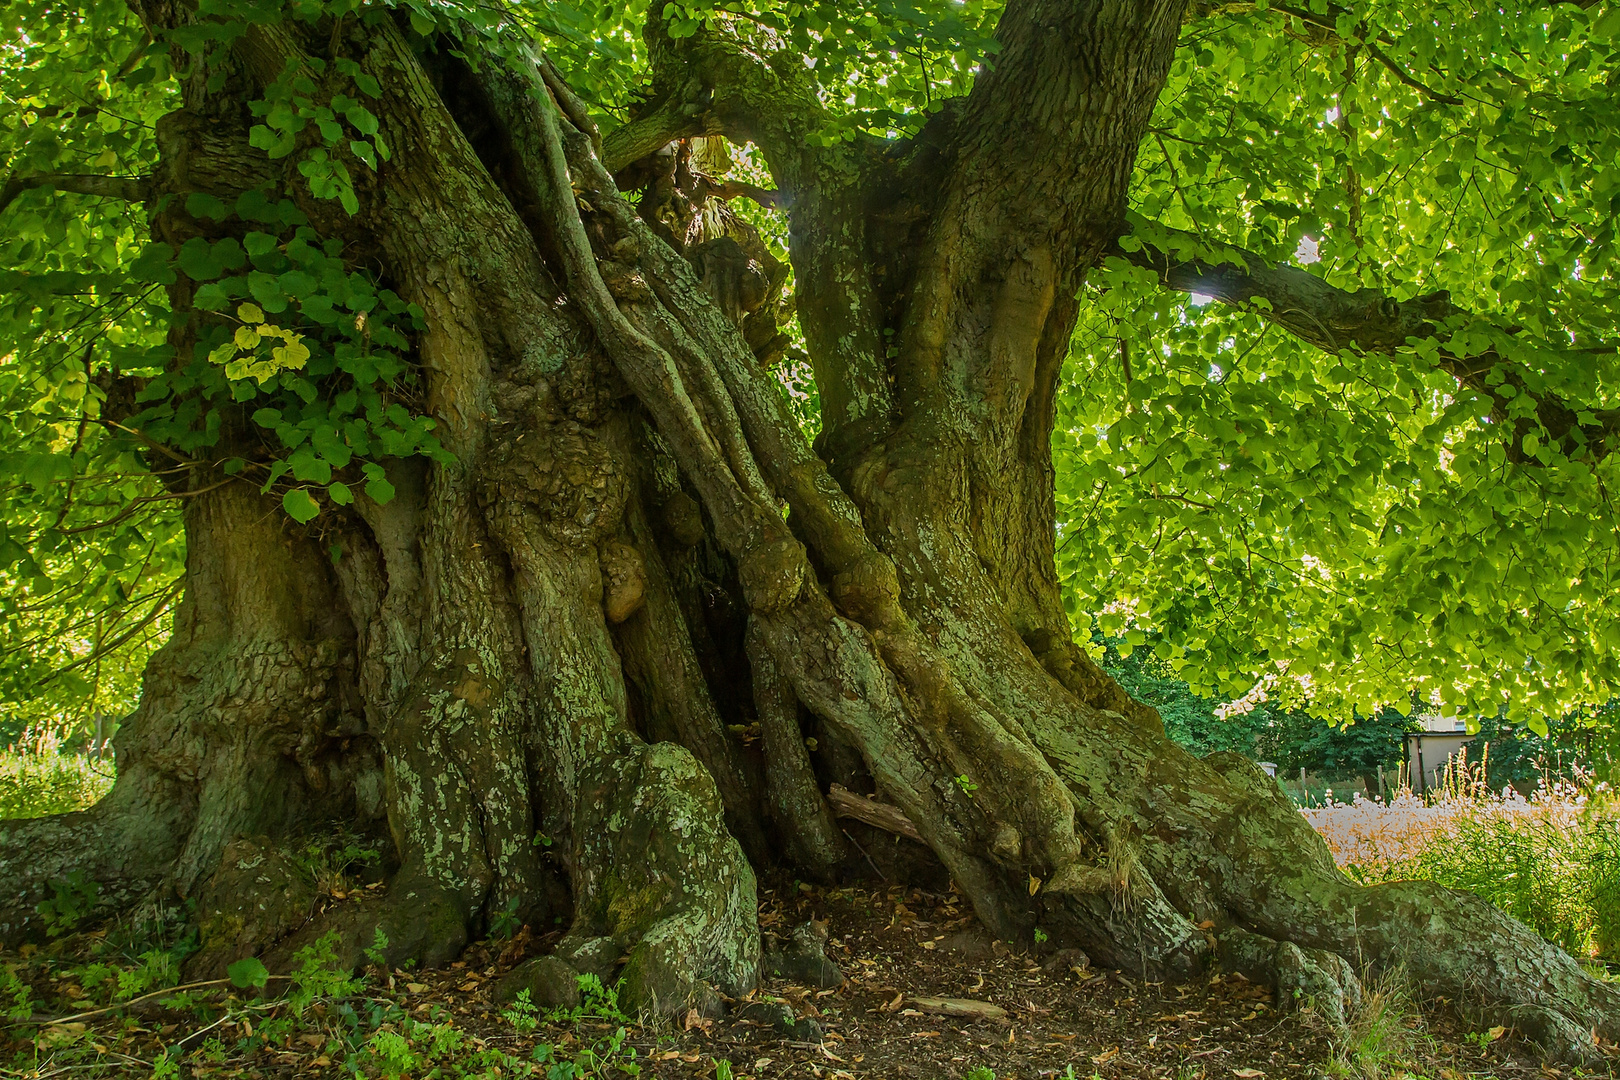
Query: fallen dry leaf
1247	1074
1105	1057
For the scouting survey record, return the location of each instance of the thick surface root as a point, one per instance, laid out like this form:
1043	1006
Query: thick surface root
664	897
118	852
1301	977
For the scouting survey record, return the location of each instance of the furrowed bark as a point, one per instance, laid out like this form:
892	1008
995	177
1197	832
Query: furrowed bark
244	726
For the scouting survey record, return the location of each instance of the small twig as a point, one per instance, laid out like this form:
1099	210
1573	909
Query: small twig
126	1004
865	856
1410	80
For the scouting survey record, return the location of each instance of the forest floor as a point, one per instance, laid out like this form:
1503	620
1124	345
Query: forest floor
897	947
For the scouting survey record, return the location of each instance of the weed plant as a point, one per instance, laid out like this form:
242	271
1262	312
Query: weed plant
1382	1035
1552	860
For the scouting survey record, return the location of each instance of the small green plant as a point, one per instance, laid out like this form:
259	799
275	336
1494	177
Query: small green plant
982	1072
165	1067
504	923
1381	1036
722	1069
522	1014
329	859
968	786
71	900
20	1005
596	1001
377	951
1040	936
317	974
391	1053
249	973
157	968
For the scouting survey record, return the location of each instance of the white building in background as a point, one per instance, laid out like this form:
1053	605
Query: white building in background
1428	750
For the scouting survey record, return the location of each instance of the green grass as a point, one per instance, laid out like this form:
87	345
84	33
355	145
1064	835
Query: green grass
1552	861
34	785
1382	1036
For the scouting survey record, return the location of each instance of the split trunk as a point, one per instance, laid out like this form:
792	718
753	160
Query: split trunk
605	658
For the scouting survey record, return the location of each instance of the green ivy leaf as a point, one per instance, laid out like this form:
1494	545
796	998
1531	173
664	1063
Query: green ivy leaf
299	506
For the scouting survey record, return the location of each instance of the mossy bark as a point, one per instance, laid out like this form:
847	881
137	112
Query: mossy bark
531	668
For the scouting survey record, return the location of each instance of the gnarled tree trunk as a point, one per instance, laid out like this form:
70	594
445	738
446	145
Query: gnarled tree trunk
552	630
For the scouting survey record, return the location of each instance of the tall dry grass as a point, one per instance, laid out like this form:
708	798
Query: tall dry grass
1551	860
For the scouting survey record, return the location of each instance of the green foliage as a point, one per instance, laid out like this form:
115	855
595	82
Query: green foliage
504	923
298	379
596	1002
37	785
318	975
522	1014
1382	1033
377	951
1291	738
610	1055
1337	527
334	857
71	900
1354	524
1553	864
249	973
20	1005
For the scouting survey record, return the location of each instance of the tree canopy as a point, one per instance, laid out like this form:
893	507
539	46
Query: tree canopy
1339	409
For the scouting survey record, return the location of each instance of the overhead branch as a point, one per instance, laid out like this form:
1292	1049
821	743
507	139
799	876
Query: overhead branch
1328	24
127	188
1370	322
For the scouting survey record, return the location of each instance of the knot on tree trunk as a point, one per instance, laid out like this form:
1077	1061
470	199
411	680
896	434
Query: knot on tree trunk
773	574
624	581
868	591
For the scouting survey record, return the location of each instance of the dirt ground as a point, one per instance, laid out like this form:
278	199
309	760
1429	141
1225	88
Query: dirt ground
896	944
897	947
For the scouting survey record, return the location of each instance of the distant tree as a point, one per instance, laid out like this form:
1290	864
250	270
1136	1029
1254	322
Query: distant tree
1290	738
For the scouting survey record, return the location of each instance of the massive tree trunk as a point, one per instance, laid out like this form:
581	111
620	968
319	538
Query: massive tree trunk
553	630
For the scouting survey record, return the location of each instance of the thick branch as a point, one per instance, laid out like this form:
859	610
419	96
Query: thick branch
1368	322
1042	155
882	815
128	188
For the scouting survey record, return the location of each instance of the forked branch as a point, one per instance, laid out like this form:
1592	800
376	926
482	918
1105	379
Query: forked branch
1370	322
